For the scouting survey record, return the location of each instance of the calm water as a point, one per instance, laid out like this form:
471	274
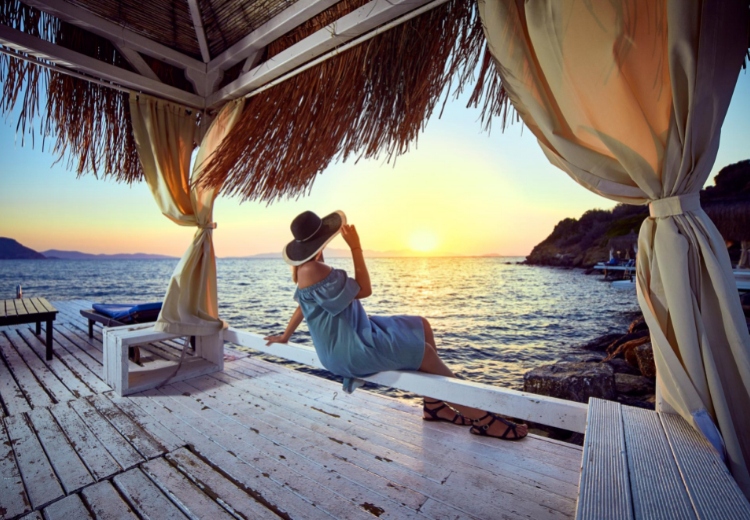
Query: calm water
493	321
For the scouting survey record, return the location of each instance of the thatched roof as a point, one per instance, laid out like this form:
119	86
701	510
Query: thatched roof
371	100
365	77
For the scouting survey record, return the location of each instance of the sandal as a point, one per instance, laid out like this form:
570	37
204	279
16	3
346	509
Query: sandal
478	429
433	412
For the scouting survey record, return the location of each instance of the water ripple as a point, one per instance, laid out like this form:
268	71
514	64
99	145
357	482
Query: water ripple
492	321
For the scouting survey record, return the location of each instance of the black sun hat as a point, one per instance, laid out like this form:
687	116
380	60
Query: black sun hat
311	234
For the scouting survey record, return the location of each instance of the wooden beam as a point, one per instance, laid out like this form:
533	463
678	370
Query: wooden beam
115	33
277	26
200	33
138	63
68	59
551	411
358	22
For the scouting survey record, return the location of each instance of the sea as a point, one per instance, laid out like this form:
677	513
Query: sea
494	318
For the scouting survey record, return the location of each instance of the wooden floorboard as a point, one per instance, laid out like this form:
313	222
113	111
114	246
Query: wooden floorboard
256	441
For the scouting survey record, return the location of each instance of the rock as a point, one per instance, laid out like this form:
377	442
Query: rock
572	381
601	343
626	338
620	366
647	402
637	325
644	355
630	384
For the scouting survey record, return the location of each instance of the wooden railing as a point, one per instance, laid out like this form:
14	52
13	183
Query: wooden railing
549	411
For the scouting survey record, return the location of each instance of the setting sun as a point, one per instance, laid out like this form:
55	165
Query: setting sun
423	241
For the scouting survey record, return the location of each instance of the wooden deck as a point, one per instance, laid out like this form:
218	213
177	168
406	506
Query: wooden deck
255	441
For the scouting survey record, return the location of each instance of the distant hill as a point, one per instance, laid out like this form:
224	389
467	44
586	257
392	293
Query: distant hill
12	250
77	255
585	241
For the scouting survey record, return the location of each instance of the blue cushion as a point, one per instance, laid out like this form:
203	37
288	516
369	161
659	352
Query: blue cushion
121	311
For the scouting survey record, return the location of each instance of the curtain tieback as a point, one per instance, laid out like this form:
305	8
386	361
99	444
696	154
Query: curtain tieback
210	225
676	205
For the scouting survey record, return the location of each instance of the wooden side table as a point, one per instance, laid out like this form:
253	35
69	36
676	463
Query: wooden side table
29	310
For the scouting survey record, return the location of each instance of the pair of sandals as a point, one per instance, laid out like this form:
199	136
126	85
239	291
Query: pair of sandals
477	428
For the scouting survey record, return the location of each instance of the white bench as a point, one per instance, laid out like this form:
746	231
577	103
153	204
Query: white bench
126	377
640	464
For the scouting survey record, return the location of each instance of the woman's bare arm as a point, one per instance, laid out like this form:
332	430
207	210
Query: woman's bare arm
294	322
360	267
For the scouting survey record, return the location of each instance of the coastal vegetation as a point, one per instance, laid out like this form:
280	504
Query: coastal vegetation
587	240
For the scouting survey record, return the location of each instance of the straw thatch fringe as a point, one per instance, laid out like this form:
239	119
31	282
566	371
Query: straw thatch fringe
90	123
365	102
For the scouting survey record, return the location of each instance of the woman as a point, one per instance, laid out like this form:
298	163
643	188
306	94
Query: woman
352	344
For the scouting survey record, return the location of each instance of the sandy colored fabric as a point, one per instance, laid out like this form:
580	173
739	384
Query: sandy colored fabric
628	98
165	135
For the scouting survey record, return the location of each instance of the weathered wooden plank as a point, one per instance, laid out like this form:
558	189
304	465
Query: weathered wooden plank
38	476
148	500
317	489
521	460
35	394
78	349
96	457
291	435
52	385
348	458
654	477
13	498
82	342
69	468
191	499
168	440
105	502
139	439
11	395
605	487
239	501
375	413
58	367
713	491
320	436
120	449
88	374
240	471
69	508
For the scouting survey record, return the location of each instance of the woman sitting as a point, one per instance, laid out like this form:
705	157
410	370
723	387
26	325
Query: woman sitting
351	344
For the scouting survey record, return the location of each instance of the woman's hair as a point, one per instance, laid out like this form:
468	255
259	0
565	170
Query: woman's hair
294	273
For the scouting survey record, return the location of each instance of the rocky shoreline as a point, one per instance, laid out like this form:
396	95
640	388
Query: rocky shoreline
616	367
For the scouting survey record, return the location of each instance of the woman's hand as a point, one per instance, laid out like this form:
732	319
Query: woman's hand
350	236
279	338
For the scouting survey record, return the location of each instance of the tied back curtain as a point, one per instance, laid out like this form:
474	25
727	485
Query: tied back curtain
628	98
165	134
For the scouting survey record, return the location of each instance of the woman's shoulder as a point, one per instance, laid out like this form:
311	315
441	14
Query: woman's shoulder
312	273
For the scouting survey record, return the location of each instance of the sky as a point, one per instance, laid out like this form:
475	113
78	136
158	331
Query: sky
459	190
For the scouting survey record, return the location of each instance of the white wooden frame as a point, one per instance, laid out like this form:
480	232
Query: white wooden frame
68	59
206	75
550	411
360	21
128	378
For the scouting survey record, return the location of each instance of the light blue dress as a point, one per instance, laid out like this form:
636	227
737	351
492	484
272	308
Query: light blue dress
350	343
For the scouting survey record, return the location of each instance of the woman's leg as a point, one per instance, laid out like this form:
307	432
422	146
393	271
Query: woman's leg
432	364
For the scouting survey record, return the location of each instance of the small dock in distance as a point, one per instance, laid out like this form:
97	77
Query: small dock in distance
257	440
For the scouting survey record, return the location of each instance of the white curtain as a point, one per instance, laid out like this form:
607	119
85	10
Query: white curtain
628	98
165	134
